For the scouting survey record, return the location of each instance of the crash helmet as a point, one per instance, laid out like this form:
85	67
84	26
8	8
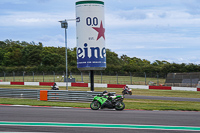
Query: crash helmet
105	92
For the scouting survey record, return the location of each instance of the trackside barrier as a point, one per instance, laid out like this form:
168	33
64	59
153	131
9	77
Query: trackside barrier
184	88
46	83
79	84
115	86
160	87
16	83
43	95
102	85
71	95
19	93
50	95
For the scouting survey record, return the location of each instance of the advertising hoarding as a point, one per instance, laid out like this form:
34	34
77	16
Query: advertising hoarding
90	30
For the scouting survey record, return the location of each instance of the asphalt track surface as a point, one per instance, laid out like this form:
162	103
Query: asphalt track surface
48	119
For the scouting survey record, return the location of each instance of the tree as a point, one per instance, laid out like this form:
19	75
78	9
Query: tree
52	59
32	55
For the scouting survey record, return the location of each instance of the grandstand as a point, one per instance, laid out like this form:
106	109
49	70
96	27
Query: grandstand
183	79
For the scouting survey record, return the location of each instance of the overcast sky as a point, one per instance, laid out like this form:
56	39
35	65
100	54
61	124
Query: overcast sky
147	29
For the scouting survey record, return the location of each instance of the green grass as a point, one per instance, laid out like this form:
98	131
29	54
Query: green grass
143	104
14	101
135	104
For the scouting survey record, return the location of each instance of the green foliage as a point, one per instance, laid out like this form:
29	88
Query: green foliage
23	56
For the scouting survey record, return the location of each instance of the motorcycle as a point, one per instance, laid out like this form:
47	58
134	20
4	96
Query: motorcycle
54	87
115	103
127	91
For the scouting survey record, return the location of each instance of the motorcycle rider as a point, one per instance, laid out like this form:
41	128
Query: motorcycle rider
125	88
108	103
55	87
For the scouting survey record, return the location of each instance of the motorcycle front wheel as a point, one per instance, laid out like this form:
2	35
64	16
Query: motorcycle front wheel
119	106
130	93
95	105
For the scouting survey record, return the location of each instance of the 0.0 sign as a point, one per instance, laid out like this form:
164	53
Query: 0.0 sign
92	22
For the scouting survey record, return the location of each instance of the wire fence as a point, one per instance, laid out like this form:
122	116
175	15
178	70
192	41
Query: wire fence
84	77
156	79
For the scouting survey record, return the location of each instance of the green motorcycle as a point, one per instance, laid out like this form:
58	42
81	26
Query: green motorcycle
111	102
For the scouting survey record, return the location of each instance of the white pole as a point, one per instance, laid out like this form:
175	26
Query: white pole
66	57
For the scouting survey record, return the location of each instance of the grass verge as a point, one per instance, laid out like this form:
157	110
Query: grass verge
15	101
135	104
143	104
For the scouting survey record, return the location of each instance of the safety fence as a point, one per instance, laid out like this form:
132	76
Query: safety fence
50	95
19	93
84	77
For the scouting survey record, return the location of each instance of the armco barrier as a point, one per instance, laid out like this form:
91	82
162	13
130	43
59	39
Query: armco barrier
71	95
19	93
198	89
50	95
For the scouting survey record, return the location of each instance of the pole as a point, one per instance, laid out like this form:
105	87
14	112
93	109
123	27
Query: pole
4	74
81	77
13	76
43	76
130	77
54	76
101	77
157	79
33	76
66	57
117	77
145	78
23	76
92	80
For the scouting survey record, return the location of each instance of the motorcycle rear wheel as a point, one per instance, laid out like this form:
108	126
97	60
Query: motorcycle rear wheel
120	106
95	105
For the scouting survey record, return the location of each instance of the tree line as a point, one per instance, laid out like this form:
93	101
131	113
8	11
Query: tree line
23	56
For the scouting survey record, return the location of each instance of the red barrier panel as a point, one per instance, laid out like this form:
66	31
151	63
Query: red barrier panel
46	83
115	86
16	83
79	84
198	89
160	87
43	95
